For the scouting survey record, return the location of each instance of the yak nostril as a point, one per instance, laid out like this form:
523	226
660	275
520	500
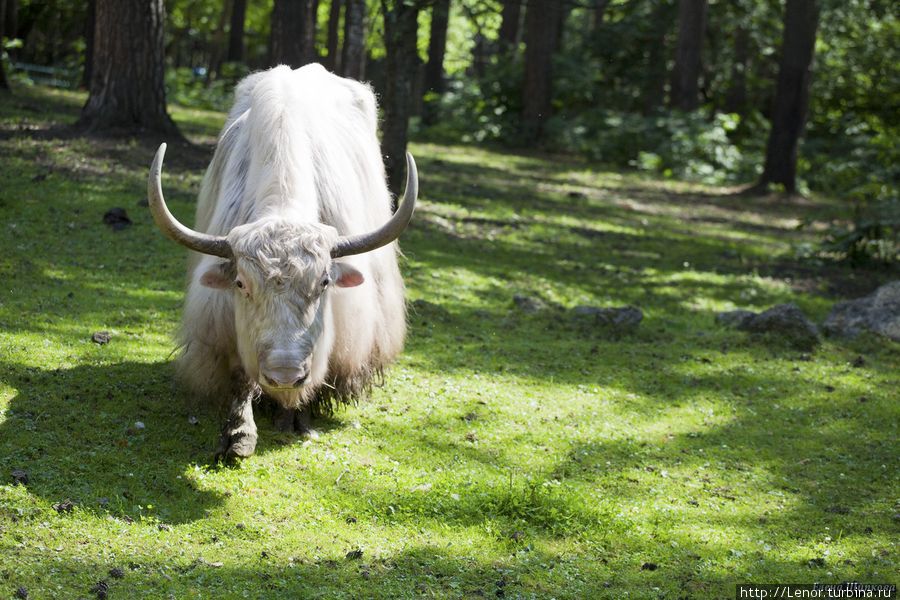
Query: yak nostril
301	380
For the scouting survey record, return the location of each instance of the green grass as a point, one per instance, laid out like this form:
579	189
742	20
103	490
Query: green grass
508	454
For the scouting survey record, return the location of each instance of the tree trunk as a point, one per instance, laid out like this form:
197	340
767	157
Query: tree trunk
542	29
434	69
236	35
653	90
511	17
736	98
333	60
801	19
294	32
11	20
400	36
4	84
353	55
127	91
89	18
310	22
686	74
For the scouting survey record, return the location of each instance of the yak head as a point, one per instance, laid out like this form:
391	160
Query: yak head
281	274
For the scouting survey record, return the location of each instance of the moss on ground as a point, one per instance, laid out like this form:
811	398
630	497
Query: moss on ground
508	453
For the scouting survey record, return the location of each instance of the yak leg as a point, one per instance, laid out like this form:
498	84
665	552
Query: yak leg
303	422
238	439
284	419
295	420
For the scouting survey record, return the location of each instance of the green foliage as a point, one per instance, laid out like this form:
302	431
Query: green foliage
187	87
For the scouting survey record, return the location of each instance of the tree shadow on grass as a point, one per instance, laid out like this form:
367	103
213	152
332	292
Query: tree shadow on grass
75	433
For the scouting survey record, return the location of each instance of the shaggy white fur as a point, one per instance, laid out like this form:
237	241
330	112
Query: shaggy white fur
297	163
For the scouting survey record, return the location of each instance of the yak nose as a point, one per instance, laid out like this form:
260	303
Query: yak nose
283	374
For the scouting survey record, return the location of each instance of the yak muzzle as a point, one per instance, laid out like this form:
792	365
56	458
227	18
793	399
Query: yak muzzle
279	371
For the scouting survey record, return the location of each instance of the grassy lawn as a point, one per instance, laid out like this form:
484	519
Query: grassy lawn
508	454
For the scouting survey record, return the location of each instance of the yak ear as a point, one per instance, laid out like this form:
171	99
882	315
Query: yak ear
217	277
344	275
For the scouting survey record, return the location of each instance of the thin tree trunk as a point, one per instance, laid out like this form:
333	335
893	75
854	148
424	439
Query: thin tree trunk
217	49
293	32
542	30
11	25
353	55
127	91
653	92
801	19
599	11
236	35
434	69
511	18
400	36
333	60
88	43
310	18
4	84
736	98
686	74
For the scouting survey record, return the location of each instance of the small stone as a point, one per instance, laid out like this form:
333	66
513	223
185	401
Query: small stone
116	573
816	562
101	337
192	420
878	312
20	477
620	319
785	321
733	318
66	506
22	593
471	437
117	218
164	527
139	425
649	566
101	589
354	554
529	304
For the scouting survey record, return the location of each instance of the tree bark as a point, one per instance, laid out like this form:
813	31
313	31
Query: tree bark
236	34
801	19
510	19
653	91
736	98
127	91
353	55
294	32
400	36
89	19
11	25
434	69
542	29
685	93
4	84
333	60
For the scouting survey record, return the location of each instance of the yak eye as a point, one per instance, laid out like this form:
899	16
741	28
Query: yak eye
325	283
239	283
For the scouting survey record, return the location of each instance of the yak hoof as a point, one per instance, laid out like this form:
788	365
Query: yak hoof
234	444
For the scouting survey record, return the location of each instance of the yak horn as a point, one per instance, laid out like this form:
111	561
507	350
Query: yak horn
199	242
390	231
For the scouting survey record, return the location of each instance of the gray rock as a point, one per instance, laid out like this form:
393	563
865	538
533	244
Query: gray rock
529	304
879	313
622	319
786	321
734	318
